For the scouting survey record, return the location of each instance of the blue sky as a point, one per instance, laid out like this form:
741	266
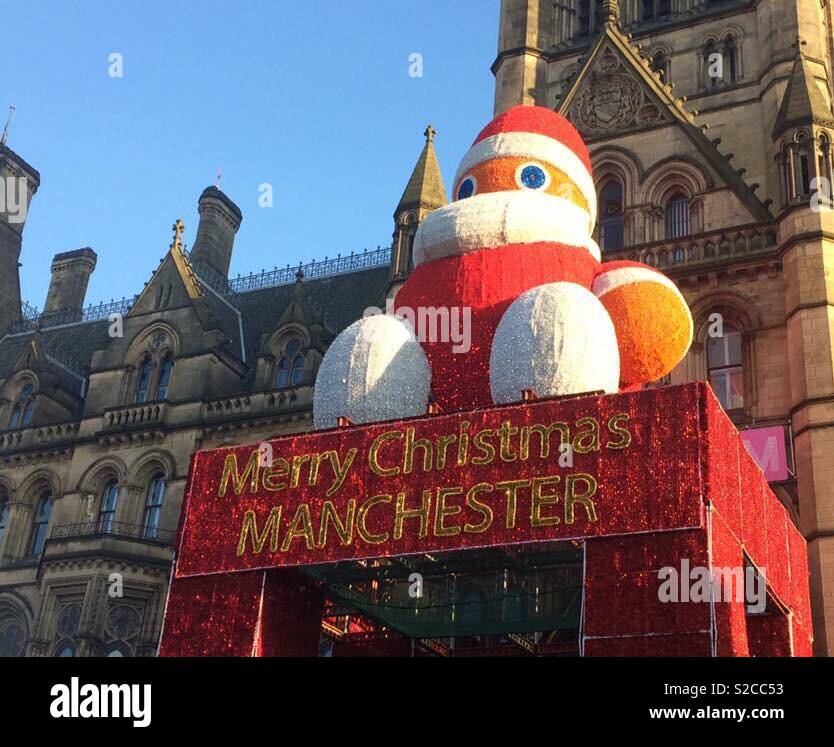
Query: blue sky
314	98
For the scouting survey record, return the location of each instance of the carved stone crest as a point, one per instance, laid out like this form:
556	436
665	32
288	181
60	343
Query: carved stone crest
612	101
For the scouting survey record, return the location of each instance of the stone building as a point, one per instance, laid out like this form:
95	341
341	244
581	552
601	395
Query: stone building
709	125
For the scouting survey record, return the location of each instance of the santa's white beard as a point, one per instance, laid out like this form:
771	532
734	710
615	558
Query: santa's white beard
496	219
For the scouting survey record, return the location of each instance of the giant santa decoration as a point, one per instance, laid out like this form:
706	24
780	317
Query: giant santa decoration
515	247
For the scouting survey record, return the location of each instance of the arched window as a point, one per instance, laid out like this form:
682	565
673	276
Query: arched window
801	165
678	216
730	59
711	66
725	368
824	162
291	365
656	9
165	372
589	17
12	638
24	407
154	502
44	510
611	216
143	386
109	502
4	514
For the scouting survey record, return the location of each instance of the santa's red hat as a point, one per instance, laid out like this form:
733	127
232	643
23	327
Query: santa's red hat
539	134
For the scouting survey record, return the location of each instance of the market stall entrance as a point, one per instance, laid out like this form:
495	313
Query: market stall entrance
632	483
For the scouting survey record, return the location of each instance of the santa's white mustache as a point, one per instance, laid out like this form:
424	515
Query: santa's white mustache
496	219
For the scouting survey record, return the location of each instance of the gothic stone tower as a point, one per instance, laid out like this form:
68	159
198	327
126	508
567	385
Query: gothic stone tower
710	129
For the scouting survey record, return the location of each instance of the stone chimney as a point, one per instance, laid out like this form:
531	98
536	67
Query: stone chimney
70	275
220	219
18	184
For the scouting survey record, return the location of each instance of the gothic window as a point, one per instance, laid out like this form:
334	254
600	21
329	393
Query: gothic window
711	67
824	162
611	220
4	514
730	59
24	407
143	386
291	365
153	506
801	165
44	509
109	501
12	638
165	372
653	9
724	368
68	621
678	216
590	20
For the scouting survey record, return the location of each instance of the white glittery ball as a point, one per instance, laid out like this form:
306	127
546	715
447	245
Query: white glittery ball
556	339
375	370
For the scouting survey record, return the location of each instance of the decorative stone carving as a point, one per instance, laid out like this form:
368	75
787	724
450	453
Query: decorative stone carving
613	101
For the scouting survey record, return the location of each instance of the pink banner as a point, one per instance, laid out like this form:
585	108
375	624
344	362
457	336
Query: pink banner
767	447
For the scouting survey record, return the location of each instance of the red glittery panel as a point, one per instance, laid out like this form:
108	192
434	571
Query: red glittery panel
729	607
646	473
212	616
769	635
776	564
800	601
676	644
720	456
486	282
622	584
290	621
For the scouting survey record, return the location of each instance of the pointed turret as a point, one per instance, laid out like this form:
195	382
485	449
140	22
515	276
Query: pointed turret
803	102
424	193
802	131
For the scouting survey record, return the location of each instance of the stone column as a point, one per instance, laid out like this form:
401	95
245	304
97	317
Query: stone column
808	264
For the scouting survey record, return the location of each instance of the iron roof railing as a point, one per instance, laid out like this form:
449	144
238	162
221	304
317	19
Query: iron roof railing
30	317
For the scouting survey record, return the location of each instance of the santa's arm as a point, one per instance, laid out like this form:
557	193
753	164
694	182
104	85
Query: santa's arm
651	317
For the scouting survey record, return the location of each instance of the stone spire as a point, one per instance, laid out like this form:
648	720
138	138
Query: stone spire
803	103
425	188
424	193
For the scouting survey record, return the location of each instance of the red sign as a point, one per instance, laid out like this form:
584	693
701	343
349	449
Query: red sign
546	470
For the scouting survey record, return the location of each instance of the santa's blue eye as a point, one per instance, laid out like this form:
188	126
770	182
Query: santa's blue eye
532	177
467	188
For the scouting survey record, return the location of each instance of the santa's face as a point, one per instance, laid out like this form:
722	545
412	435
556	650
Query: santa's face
514	173
507	201
516	186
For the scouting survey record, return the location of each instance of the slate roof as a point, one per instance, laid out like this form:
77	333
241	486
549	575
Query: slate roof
336	300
